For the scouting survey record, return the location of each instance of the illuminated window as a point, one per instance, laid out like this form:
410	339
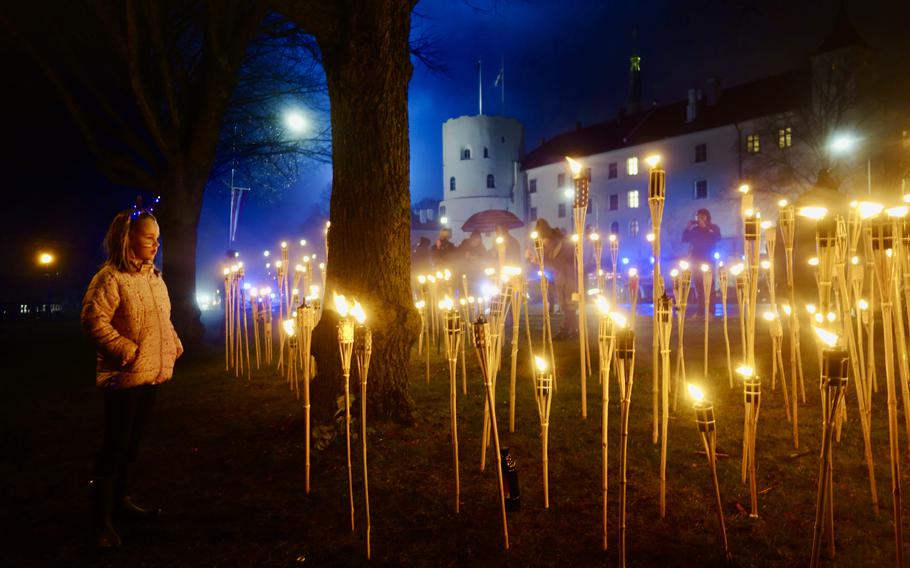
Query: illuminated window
701	189
614	227
561	211
612	171
632	166
632	199
452	183
533	213
784	137
633	228
753	144
701	152
532	186
614	201
466	154
491	181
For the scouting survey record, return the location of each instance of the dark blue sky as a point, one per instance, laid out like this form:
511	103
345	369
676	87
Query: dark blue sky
565	61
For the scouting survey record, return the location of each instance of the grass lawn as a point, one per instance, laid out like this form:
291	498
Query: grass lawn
225	460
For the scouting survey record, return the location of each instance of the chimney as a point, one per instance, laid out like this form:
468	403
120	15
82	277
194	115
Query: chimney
712	90
692	106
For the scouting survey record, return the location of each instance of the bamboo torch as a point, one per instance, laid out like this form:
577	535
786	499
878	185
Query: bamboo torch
605	344
786	220
306	315
704	419
882	231
752	401
580	209
633	295
482	346
544	286
625	356
664	316
657	190
722	282
453	341
682	284
363	349
543	394
614	260
707	284
346	346
834	372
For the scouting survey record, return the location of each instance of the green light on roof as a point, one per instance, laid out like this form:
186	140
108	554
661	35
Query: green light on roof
636	63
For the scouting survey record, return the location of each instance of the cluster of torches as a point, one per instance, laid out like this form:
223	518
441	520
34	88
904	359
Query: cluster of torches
849	286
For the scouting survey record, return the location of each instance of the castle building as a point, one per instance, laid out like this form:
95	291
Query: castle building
481	168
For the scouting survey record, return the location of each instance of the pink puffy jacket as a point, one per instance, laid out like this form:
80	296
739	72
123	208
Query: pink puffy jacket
127	315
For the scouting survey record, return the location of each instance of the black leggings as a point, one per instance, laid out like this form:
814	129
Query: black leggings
125	414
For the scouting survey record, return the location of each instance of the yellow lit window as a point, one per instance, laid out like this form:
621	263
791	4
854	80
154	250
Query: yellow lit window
784	137
632	166
753	144
633	199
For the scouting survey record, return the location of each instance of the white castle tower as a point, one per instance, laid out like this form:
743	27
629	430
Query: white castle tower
481	167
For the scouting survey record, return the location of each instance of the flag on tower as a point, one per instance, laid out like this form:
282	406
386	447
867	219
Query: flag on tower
499	77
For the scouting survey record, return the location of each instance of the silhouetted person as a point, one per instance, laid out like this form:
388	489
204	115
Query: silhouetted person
702	236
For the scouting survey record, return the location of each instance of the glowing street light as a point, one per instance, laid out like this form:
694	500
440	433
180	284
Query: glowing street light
45	259
842	143
296	122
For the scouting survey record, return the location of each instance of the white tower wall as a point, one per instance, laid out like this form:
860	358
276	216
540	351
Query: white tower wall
495	144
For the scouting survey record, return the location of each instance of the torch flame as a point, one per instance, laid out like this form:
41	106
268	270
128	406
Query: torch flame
574	165
594	237
696	393
341	304
782	203
786	308
862	304
769	316
633	272
603	306
704	267
535	235
744	188
897	212
826	337
814	212
745	371
653	160
619	320
358	313
541	364
869	209
289	327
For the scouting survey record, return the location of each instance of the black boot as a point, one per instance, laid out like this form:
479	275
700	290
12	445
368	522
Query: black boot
125	507
103	534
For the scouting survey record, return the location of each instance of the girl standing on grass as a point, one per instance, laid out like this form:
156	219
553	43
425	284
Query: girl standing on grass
126	313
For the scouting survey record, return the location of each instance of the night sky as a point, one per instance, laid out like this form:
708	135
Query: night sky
564	62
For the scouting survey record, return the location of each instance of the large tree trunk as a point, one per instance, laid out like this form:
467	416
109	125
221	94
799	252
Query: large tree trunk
181	207
367	68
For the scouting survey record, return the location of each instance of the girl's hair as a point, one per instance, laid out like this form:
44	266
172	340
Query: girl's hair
706	213
117	240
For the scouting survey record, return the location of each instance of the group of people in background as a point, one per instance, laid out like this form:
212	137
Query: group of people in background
471	257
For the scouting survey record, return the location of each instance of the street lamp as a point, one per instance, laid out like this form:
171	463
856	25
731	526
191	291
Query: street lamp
844	143
295	121
45	259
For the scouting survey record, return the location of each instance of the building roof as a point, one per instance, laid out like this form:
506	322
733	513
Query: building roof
842	34
746	101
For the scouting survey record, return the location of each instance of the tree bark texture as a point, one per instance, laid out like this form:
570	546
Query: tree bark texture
367	66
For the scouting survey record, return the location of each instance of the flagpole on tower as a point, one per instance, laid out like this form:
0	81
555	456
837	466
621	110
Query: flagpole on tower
501	83
480	86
